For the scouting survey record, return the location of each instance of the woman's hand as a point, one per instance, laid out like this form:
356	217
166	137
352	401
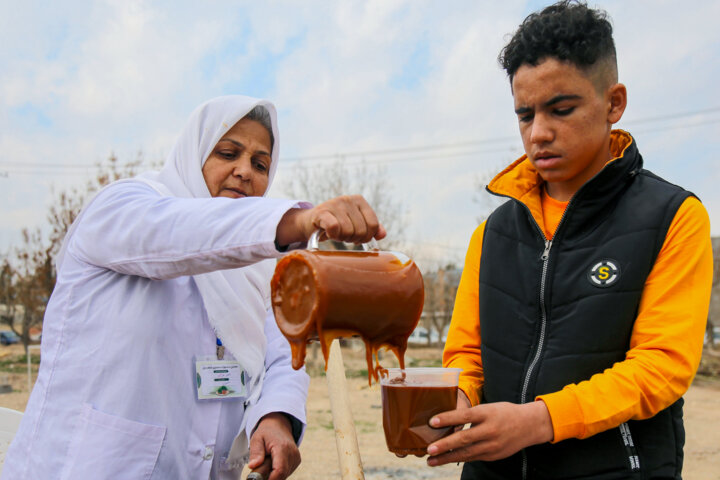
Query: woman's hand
348	218
273	449
498	430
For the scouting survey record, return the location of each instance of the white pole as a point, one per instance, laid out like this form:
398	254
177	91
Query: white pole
30	349
345	436
29	373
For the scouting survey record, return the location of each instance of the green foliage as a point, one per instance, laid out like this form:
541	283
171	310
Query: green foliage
18	363
424	363
356	373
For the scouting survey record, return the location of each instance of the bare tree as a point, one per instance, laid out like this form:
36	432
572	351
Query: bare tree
710	333
714	311
487	201
28	278
440	290
68	203
34	279
8	279
319	184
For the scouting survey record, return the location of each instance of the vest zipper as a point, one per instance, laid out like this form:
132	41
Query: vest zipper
543	321
543	314
545	257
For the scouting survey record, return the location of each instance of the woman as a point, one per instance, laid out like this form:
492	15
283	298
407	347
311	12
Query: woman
159	274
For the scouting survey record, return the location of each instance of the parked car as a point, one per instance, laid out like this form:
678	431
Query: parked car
419	336
8	337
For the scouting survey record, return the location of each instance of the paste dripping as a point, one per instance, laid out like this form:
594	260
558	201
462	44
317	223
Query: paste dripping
323	295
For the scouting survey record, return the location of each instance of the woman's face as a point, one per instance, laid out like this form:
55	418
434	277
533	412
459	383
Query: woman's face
238	166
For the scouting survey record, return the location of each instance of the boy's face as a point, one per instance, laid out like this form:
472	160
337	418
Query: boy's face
565	122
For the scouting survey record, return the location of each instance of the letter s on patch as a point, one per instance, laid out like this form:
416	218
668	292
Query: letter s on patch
604	273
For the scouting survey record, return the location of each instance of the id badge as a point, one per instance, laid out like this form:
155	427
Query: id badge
218	379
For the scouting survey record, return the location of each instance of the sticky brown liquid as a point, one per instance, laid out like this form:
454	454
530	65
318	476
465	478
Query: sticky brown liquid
319	295
406	412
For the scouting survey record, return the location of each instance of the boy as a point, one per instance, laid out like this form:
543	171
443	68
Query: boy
580	314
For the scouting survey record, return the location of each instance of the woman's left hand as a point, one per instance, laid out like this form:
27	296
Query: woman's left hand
273	440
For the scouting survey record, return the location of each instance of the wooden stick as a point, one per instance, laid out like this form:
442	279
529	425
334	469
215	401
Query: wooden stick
345	436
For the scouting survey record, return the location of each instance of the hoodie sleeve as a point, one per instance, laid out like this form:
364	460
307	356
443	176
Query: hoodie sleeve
666	342
132	229
462	348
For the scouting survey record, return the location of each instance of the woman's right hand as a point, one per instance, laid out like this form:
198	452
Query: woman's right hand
348	218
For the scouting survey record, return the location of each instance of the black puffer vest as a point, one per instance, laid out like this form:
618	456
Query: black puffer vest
555	313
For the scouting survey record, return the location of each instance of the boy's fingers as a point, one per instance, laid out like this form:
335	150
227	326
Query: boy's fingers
460	455
448	457
454	442
456	417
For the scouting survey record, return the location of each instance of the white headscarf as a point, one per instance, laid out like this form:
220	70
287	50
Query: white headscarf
236	300
237	317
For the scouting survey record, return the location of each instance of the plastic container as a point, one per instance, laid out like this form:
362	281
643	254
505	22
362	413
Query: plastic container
410	397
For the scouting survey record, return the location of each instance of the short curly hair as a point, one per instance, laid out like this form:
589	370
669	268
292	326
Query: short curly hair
568	31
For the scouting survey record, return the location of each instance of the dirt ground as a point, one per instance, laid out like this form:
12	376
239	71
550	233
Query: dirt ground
702	422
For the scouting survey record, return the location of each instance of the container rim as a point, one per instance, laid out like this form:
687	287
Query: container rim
424	369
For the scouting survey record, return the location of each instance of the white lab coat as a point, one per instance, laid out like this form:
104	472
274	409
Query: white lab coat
115	397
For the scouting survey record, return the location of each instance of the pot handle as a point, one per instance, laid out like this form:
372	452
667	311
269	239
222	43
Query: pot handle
314	241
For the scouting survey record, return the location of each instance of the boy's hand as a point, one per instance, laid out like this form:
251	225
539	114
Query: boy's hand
462	402
498	430
348	218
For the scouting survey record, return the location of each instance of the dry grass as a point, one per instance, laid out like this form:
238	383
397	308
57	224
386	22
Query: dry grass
702	418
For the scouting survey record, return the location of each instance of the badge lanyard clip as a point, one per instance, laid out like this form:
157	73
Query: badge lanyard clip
220	351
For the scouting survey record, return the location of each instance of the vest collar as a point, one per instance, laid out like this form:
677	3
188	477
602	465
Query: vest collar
521	182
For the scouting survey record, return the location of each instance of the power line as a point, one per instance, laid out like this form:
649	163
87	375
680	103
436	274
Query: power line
677	127
673	116
394	151
26	169
45	165
413	158
29	168
341	155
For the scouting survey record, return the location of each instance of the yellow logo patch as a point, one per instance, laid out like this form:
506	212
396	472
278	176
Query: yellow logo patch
604	273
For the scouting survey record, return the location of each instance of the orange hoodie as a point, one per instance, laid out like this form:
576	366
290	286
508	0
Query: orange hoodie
666	343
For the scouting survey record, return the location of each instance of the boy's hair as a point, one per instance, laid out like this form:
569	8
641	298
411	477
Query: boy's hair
568	31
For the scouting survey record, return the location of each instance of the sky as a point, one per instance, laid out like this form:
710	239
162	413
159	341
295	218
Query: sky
410	86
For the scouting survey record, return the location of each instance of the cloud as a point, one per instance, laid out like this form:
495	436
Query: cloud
82	79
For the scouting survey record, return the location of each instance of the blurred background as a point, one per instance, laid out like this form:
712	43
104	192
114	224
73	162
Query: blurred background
401	100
